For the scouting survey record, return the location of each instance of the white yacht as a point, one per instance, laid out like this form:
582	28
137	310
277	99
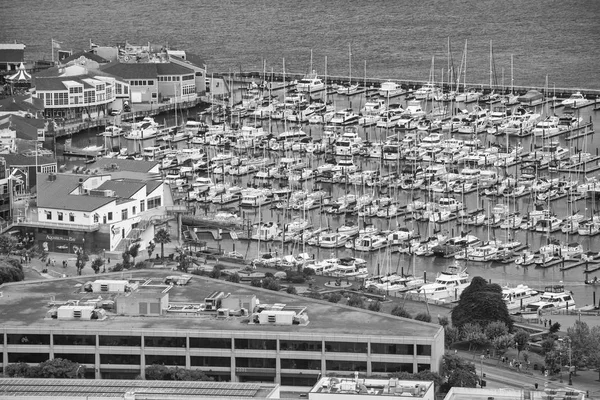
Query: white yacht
517	298
448	285
554	298
344	117
310	83
576	99
390	89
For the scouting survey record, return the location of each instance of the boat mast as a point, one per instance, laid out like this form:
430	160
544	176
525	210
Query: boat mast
350	63
465	76
512	80
491	65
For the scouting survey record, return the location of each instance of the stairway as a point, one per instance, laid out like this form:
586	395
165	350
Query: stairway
142	226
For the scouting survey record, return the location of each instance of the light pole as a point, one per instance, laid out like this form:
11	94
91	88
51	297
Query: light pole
570	363
481	359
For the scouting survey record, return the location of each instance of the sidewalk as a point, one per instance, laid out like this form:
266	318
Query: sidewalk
499	375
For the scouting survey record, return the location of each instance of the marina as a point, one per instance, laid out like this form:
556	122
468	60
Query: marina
505	181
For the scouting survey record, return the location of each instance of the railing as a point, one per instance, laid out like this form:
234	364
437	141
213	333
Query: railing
136	232
60	225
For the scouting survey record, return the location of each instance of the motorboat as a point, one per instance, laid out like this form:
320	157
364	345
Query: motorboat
468	96
427	92
448	285
554	298
390	89
310	83
517	298
575	100
483	253
332	240
370	242
266	231
526	258
344	117
548	126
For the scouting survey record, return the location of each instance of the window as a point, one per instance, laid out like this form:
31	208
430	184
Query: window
242	362
165	360
150	83
142	205
154	95
385	348
74	340
125	89
28	339
129	341
110	216
75	90
210	343
59	215
338	365
89	96
154	202
423	350
48	100
124	214
188	90
129	359
71	217
207	361
164	341
255	344
61	99
391	367
296	363
345	347
41	96
300	345
118	88
48	214
78	358
133	210
33	358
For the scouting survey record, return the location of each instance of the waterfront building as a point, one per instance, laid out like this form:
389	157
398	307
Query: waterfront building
94	212
11	56
277	337
156	82
75	92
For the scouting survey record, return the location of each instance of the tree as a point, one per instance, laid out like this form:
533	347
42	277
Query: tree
55	368
594	350
10	272
375	306
271	284
521	339
134	251
443	320
399	311
126	260
495	329
451	335
256	282
82	259
97	264
150	248
502	343
8	243
162	237
554	328
235	278
423	316
158	372
580	339
473	334
185	262
458	372
356	301
481	303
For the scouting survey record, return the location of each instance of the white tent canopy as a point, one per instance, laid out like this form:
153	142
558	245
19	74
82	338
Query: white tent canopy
20	76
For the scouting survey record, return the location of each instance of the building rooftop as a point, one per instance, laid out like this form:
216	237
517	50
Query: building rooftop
124	189
333	387
136	389
55	194
111	164
26	304
87	54
20	160
144	70
459	393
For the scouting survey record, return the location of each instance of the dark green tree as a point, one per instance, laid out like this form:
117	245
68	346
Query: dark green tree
97	264
161	373
458	372
291	290
162	237
451	335
55	368
481	303
521	339
8	243
495	329
235	278
134	251
9	272
473	334
443	320
334	297
554	328
150	248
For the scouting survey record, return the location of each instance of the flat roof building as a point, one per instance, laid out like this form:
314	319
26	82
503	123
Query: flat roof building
322	338
334	388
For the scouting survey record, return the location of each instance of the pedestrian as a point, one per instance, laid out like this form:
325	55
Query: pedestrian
22	260
109	260
53	262
488	353
545	322
549	323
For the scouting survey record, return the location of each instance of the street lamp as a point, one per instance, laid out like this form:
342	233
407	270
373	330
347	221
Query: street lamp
481	359
570	363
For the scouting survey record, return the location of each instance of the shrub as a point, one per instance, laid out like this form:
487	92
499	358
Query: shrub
118	267
423	317
14	262
256	282
143	265
334	297
235	278
399	311
356	301
375	306
291	290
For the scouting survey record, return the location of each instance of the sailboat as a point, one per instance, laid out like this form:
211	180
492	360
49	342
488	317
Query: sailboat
349	89
492	96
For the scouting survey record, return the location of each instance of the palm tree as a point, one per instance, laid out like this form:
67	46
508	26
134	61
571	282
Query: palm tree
162	236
